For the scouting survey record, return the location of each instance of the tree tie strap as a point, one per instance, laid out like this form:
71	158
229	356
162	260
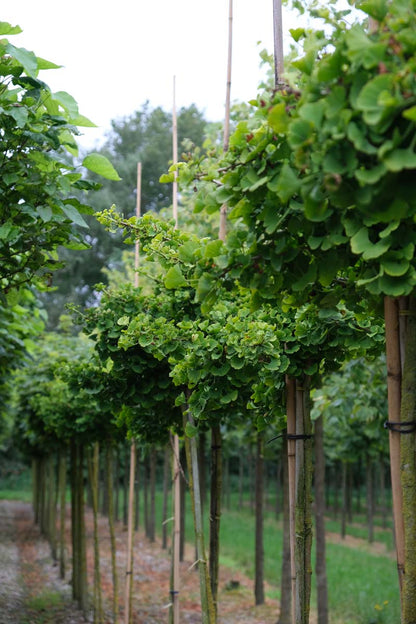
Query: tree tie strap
401	427
292	436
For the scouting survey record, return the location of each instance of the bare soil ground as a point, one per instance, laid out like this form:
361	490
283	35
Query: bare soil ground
31	591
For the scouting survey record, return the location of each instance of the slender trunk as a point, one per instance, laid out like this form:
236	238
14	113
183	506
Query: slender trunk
137	492
394	376
344	500
152	519
182	495
370	499
320	566
146	479
259	554
208	615
408	467
215	510
202	467
111	517
117	480
176	538
285	615
83	598
93	460
166	466
240	480
128	616
291	456
62	509
303	502
383	497
126	484
349	493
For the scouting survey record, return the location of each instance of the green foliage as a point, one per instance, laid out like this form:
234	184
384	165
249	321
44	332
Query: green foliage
38	182
353	402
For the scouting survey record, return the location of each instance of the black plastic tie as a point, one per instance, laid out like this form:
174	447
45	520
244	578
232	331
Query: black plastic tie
403	427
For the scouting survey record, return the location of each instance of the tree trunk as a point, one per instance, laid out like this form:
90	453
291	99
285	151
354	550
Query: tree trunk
344	500
93	460
126	484
320	566
183	488
152	478
259	549
240	480
303	502
208	615
370	499
408	467
111	518
62	509
202	467
137	492
285	616
215	510
394	377
166	470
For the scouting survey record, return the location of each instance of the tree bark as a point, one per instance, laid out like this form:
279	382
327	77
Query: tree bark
93	460
215	510
208	615
259	548
344	500
303	502
111	518
62	509
166	470
152	476
408	467
285	615
320	566
370	499
394	378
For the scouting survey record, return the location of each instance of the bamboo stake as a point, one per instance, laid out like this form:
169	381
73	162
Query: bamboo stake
177	485
175	155
130	521
278	41
394	379
291	457
226	136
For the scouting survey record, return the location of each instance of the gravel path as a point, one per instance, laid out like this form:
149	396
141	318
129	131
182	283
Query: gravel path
11	590
27	573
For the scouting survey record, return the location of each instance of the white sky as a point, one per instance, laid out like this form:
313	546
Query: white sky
116	55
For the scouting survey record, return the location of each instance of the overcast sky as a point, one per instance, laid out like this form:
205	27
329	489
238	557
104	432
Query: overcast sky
116	55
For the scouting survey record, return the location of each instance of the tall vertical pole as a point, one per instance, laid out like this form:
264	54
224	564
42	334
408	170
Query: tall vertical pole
130	520
177	480
278	41
226	137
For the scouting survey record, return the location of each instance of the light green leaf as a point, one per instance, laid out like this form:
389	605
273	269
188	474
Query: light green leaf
82	121
410	113
44	64
67	102
8	29
400	159
73	214
190	430
278	119
97	163
395	267
123	320
287	184
213	249
27	59
174	278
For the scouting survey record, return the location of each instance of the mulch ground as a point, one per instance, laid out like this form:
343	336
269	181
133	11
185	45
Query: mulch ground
31	591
